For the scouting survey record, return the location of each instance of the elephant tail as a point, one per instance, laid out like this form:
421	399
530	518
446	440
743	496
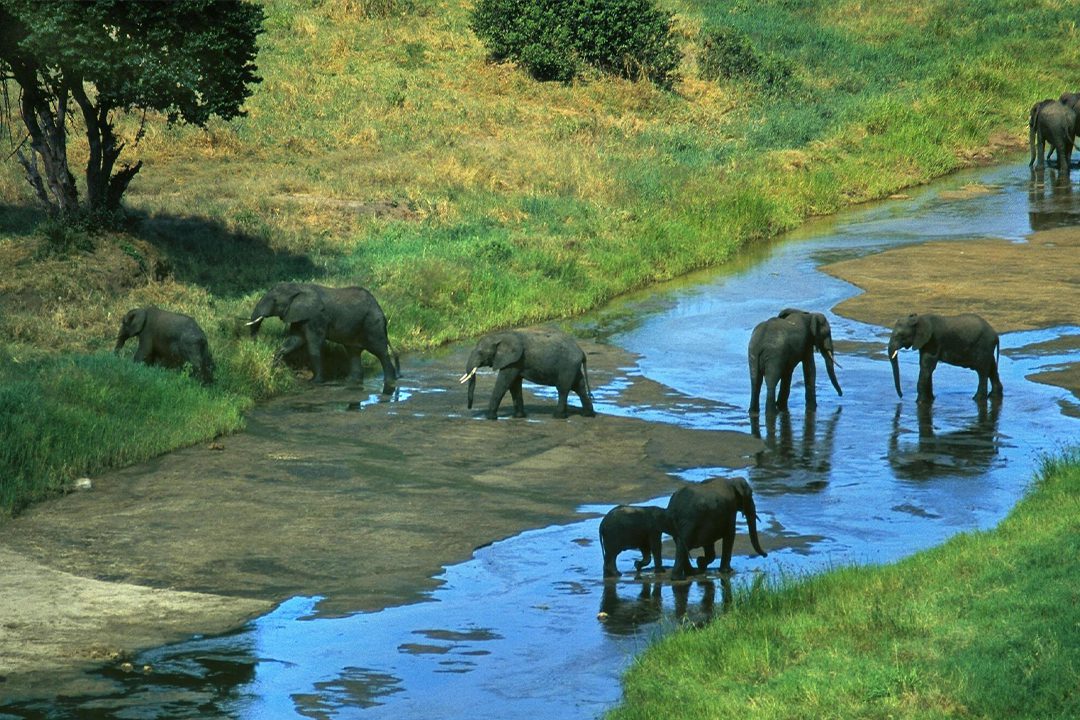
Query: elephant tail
585	374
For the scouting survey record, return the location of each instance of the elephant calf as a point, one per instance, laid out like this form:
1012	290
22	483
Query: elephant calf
628	527
168	339
545	357
966	341
704	513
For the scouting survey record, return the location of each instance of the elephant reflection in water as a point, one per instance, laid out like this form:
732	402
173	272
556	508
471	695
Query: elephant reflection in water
968	451
1058	208
628	615
805	461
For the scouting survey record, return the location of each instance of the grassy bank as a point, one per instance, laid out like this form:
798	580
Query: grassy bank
986	626
382	149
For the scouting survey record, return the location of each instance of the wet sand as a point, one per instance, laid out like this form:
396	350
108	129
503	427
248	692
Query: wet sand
222	532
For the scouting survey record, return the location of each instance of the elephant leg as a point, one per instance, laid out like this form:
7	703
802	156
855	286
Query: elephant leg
927	364
654	547
809	370
682	560
292	342
609	564
314	340
503	381
356	364
708	556
725	549
770	396
582	390
644	561
996	390
519	400
755	391
389	374
980	391
560	404
784	392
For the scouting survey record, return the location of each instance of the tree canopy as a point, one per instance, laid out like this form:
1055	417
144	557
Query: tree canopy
188	59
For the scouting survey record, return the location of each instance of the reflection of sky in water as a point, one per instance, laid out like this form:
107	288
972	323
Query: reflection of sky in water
515	633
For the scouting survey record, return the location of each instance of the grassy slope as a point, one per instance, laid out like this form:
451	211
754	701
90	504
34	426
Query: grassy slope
385	151
986	626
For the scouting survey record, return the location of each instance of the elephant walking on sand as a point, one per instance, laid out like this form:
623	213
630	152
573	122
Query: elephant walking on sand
168	339
777	346
704	513
314	313
545	357
629	527
965	341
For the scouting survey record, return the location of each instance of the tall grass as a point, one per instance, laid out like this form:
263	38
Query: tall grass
986	626
384	149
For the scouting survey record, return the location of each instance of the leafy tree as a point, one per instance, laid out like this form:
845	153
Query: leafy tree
189	59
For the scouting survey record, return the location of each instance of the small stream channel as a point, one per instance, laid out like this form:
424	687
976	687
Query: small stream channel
514	632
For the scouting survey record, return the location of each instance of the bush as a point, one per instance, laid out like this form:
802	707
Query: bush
728	54
556	39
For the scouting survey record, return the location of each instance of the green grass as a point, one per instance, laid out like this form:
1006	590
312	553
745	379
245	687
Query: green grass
383	149
986	626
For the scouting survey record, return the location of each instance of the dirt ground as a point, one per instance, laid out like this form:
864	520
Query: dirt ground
200	540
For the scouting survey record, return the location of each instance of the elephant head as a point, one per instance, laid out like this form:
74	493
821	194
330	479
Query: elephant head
820	333
910	332
744	498
289	301
496	351
132	324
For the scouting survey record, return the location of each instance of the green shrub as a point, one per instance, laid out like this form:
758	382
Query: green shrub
555	40
727	54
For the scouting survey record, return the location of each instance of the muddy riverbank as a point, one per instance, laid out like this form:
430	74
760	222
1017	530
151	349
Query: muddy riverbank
222	532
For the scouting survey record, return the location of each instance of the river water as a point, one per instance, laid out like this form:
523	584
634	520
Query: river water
865	479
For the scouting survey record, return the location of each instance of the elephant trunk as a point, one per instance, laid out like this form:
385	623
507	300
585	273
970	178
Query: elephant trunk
830	369
750	513
472	388
470	376
894	350
120	340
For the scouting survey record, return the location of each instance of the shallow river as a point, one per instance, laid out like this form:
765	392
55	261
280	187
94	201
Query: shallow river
514	632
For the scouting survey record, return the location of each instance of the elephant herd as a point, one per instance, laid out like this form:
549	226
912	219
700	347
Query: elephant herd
697	516
1054	123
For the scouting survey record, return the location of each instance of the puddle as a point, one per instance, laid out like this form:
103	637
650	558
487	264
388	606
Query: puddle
527	627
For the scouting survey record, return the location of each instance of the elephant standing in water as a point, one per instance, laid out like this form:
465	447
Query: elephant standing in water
168	339
966	341
545	357
628	527
1051	122
350	316
777	346
704	513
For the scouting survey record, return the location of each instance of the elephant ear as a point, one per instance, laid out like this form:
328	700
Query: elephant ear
134	321
924	332
508	351
304	305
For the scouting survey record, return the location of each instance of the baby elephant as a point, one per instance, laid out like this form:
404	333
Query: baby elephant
545	357
168	339
628	527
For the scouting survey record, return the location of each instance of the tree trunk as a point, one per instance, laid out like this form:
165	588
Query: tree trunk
48	140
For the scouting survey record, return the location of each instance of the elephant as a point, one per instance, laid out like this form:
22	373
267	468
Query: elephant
1051	121
314	313
627	527
545	357
777	345
965	341
168	339
703	513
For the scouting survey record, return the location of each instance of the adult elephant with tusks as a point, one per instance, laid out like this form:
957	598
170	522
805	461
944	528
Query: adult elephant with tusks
777	346
314	314
167	339
704	513
545	357
965	341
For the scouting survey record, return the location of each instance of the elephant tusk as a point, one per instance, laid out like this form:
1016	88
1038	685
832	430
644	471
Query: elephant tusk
832	357
256	320
894	354
467	375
